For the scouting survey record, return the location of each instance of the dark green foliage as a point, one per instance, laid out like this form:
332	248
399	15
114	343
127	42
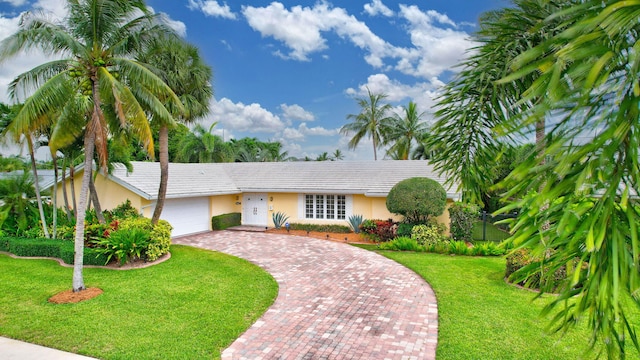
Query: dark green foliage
124	211
404	229
330	228
124	245
35	247
221	222
462	217
402	243
417	199
61	249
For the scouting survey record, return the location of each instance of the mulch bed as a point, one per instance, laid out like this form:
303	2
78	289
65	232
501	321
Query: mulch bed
351	238
70	297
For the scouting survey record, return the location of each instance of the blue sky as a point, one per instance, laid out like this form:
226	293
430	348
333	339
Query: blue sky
290	71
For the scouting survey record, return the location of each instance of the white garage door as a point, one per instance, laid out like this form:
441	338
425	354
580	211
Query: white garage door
187	216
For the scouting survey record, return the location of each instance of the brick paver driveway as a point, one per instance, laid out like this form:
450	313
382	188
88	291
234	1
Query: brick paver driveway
335	301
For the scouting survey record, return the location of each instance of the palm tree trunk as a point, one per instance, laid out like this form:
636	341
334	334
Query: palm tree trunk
72	174
64	190
78	259
96	201
163	139
54	196
375	154
36	184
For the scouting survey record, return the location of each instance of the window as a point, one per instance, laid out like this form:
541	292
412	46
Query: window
328	207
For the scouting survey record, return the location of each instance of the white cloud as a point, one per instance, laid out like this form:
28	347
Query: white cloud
178	26
296	113
423	93
212	8
377	7
239	117
436	49
300	29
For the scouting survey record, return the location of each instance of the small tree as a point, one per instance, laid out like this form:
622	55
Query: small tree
417	199
462	218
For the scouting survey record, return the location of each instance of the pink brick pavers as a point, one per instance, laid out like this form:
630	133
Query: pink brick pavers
335	301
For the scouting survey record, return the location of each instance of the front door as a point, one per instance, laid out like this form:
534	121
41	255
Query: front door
254	209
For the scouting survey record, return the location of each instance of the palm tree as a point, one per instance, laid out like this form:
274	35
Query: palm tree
17	207
402	131
91	84
588	75
337	155
323	157
474	110
180	66
368	122
199	146
422	151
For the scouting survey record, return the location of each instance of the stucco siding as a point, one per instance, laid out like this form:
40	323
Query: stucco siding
110	194
225	204
286	203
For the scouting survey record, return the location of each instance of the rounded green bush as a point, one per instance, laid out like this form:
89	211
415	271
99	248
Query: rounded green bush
417	199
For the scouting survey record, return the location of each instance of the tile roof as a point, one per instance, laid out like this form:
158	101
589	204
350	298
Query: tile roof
370	178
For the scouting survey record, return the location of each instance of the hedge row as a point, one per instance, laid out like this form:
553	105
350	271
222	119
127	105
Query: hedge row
61	249
224	221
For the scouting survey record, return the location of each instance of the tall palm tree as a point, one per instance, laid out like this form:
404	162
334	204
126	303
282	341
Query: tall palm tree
180	66
368	122
473	111
402	131
588	75
91	84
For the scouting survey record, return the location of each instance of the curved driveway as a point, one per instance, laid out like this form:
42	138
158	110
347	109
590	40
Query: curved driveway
335	301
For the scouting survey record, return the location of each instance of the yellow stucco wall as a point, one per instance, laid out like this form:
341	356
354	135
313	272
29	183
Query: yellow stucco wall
110	194
225	204
286	203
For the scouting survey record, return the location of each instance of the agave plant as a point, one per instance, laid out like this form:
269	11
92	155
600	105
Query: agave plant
354	222
279	218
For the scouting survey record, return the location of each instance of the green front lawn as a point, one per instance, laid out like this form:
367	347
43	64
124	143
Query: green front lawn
482	317
190	307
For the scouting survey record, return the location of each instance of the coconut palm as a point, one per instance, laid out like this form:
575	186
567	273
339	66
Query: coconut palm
589	75
180	66
402	131
369	122
94	85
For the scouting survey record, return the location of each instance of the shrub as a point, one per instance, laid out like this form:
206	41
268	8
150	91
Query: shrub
221	222
429	235
462	218
91	256
124	245
402	243
525	269
279	219
330	228
124	211
404	229
35	247
417	199
380	230
354	222
160	240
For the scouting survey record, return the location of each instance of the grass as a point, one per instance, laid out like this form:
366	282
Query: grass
493	233
482	317
189	307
